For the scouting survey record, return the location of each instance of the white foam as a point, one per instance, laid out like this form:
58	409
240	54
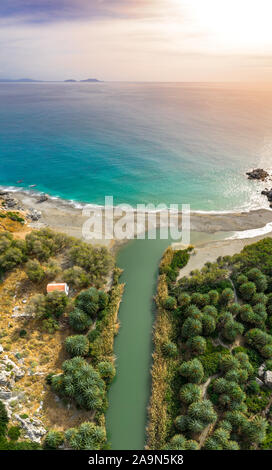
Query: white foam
252	233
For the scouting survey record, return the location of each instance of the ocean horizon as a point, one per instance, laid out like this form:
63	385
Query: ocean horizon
141	143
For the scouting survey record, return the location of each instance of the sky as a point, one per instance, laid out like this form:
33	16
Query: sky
136	40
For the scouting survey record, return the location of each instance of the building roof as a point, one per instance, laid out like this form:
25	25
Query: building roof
59	287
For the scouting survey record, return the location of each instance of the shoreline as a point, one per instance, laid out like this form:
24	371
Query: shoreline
61	215
35	193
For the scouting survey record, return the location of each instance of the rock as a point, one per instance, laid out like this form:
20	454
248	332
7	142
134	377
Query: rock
3	193
43	198
9	372
5	395
5	380
33	428
23	315
1	348
259	381
258	174
261	370
268	378
11	202
34	215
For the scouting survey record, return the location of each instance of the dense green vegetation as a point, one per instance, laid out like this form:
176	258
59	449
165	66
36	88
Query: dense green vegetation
90	315
209	348
87	264
88	374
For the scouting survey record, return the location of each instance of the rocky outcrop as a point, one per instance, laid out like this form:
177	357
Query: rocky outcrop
10	202
258	174
261	370
268	193
9	373
259	381
33	428
43	198
268	378
34	215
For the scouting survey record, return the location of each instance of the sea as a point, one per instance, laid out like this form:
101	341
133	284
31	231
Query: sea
142	143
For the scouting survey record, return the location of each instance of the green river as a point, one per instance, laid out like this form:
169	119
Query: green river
129	394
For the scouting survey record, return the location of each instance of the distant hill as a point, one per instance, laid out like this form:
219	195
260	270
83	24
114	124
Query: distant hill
31	80
92	80
19	80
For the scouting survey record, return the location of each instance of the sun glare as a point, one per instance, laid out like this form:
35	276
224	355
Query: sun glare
242	24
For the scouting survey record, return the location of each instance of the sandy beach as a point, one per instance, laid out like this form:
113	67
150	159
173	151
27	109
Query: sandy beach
63	216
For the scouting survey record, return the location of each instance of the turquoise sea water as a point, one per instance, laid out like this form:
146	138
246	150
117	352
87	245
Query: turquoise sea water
140	143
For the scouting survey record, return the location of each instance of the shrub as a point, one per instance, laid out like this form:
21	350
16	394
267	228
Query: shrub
97	261
209	325
50	325
210	363
247	314
184	299
197	344
191	445
106	370
234	309
226	296
202	411
87	436
14	433
198	299
170	303
259	298
56	303
214	297
37	306
80	382
87	301
190	393
103	300
191	327
52	269
178	442
192	370
241	279
3	419
232	329
34	271
79	321
181	423
11	258
76	276
260	340
247	290
22	333
210	310
193	311
77	345
53	440
255	430
169	349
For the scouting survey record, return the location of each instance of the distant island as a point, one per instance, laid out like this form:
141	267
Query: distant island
88	80
19	80
31	80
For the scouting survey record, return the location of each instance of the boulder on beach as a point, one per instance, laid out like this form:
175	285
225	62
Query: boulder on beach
257	174
42	198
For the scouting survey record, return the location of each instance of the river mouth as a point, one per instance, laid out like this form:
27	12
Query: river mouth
129	394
